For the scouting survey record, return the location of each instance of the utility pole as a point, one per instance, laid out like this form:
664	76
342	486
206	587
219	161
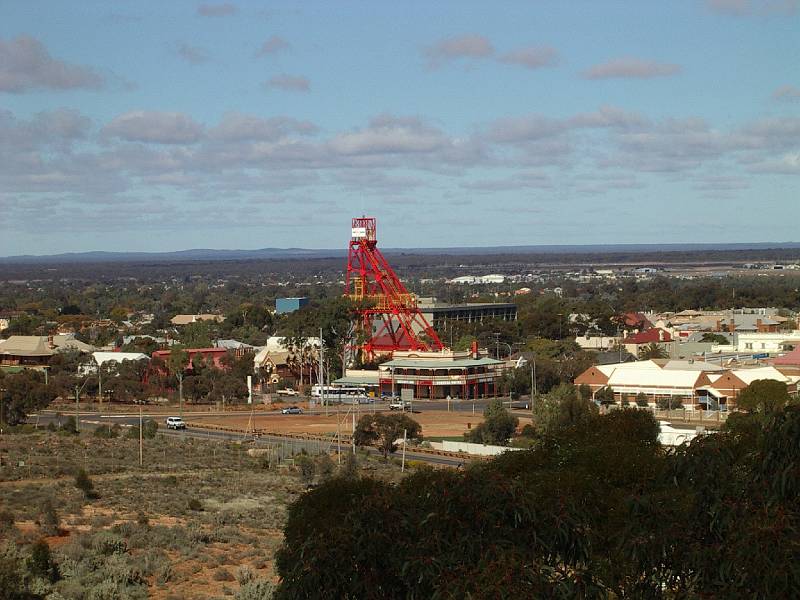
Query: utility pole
100	382
77	416
180	393
403	465
320	375
141	453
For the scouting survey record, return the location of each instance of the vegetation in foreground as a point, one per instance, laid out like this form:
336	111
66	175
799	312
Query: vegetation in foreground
79	519
596	509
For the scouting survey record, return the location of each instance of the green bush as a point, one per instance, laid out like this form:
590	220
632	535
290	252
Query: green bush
195	504
84	483
70	426
669	403
106	432
47	518
149	429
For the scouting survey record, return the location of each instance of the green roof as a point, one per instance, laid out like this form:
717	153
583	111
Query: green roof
421	363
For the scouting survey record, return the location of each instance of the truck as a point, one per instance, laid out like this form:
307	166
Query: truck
288	392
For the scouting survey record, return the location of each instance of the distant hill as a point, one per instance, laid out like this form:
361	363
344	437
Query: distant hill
208	254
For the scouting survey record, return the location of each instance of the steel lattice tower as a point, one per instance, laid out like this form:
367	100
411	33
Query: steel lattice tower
389	318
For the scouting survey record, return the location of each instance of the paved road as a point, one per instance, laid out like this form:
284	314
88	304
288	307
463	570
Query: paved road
93	419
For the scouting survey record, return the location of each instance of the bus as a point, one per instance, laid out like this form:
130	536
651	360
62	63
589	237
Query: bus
340	394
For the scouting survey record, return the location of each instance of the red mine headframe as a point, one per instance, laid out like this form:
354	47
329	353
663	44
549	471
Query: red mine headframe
389	318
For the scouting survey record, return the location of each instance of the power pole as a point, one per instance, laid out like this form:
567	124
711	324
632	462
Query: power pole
320	375
141	453
100	382
77	416
403	465
180	393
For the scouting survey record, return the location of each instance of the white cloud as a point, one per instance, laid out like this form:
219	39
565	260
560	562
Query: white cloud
236	126
289	83
155	127
225	9
387	134
192	54
26	65
753	7
631	68
787	93
273	45
467	46
533	57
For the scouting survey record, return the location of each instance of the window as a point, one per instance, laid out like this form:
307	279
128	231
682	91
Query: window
748	346
763	346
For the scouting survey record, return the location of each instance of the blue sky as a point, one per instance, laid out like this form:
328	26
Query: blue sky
162	126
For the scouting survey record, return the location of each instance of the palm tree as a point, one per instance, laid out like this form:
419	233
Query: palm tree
652	350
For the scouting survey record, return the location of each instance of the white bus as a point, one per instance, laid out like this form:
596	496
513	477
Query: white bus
341	394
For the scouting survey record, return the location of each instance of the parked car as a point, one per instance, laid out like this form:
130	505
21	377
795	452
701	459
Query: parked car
400	405
175	423
288	392
292	410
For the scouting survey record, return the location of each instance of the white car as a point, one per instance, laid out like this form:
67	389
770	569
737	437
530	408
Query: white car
175	423
288	392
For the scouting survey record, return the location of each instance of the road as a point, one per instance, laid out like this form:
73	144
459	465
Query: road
93	419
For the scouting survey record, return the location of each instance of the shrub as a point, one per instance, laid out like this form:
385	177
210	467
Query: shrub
48	519
6	520
84	484
149	429
669	403
70	426
324	466
641	400
257	589
349	467
106	432
40	563
305	467
108	543
222	574
141	519
195	504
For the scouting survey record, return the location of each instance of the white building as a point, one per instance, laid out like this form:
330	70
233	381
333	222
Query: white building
762	343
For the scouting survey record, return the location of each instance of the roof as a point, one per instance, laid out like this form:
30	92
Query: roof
790	358
104	357
748	376
186	319
276	357
693	365
655	377
422	363
70	342
26	345
649	336
351	380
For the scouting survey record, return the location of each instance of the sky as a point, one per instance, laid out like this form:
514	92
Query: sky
156	126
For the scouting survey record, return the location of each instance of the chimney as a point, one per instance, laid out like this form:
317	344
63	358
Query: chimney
660	335
50	343
732	326
718	326
474	349
759	325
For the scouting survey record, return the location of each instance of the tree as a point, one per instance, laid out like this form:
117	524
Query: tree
385	430
605	395
763	396
641	400
652	350
714	338
84	483
23	393
561	409
497	427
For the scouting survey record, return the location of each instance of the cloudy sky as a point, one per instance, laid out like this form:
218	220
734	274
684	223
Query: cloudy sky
172	125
